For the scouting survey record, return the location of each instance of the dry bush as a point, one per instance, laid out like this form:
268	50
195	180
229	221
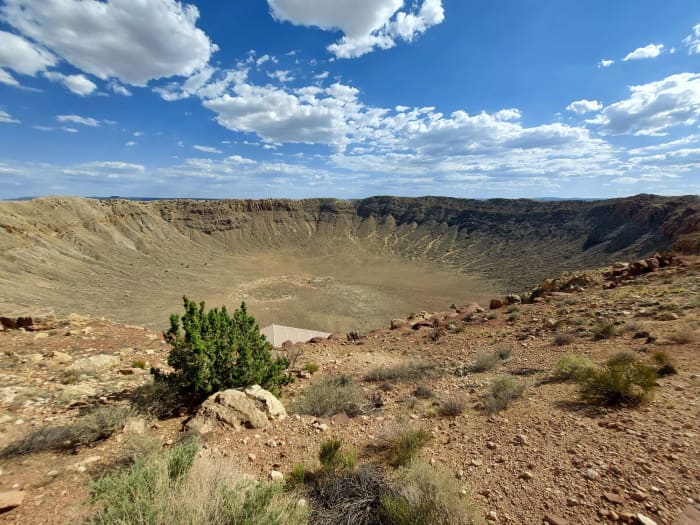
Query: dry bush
604	331
423	392
563	339
452	406
180	487
95	425
331	395
503	352
425	495
484	361
402	372
666	367
503	391
684	335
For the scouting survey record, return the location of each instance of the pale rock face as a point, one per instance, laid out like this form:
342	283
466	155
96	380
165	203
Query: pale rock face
235	409
270	404
94	363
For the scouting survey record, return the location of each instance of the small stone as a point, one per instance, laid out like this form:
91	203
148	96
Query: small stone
614	498
52	473
521	439
492	516
643	520
526	475
639	495
571	502
591	474
252	457
491	445
276	475
476	462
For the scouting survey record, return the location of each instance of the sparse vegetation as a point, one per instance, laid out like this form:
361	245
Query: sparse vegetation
402	372
572	367
484	361
401	443
503	391
333	457
664	364
503	352
684	335
604	331
217	351
423	391
95	425
452	406
623	380
563	339
139	363
512	308
514	316
331	395
311	368
180	487
426	495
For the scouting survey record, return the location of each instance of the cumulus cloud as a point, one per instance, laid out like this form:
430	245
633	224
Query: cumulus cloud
207	149
654	107
117	88
131	40
641	53
605	62
78	84
77	119
22	56
583	106
692	41
281	75
6	118
366	24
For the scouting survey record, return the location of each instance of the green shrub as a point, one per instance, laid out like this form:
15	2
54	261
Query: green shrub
138	363
623	380
512	309
452	406
331	395
514	316
664	363
401	443
426	495
215	352
332	457
604	331
180	488
404	371
572	366
311	368
503	391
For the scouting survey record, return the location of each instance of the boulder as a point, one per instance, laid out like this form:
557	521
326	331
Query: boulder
31	320
398	323
272	406
10	499
316	340
237	409
513	298
495	304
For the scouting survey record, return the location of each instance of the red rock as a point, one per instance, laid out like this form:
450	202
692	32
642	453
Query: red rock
495	304
614	498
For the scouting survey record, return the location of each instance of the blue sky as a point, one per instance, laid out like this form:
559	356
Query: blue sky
349	98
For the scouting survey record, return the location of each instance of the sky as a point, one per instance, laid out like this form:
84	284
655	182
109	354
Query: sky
349	98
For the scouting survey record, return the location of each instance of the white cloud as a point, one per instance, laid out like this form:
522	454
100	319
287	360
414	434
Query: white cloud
22	56
77	119
692	41
119	89
130	144
648	51
237	159
321	76
78	84
583	106
207	149
134	41
281	75
106	170
654	107
7	79
366	24
6	118
605	62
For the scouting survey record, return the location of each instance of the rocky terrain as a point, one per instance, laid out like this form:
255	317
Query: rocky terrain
546	458
307	263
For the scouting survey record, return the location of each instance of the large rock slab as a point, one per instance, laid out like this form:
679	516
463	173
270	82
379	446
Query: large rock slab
94	363
10	499
231	409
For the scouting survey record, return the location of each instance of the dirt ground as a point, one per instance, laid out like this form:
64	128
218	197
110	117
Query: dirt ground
548	456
